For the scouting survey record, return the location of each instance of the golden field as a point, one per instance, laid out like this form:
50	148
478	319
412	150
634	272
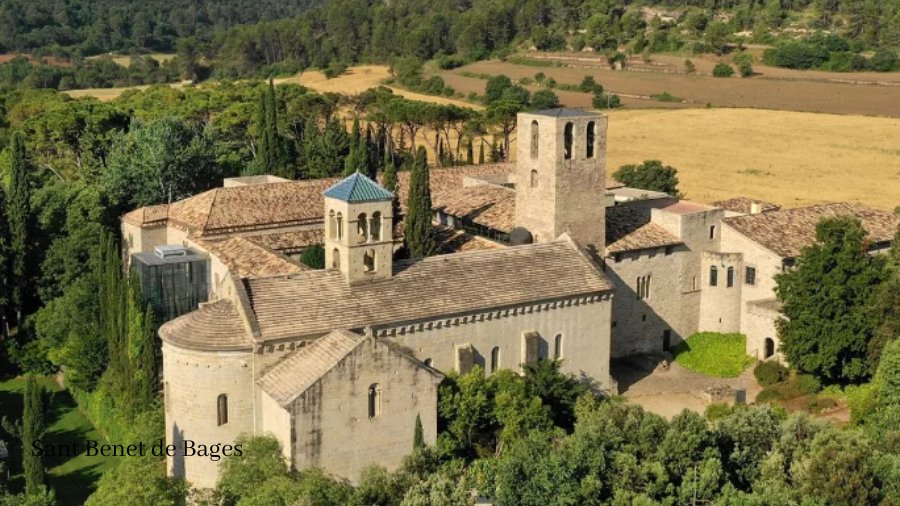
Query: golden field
789	158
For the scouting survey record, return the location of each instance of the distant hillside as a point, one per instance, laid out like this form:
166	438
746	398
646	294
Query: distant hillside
99	26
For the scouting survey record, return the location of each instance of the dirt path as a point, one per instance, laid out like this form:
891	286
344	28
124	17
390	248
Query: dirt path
668	393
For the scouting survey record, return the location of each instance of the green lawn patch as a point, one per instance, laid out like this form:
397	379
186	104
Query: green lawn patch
73	478
713	354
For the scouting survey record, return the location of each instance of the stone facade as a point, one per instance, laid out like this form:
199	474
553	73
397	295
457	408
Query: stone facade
561	177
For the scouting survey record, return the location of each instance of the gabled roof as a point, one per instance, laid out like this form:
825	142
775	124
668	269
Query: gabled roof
630	229
744	205
300	370
313	303
487	205
358	188
248	259
303	368
788	231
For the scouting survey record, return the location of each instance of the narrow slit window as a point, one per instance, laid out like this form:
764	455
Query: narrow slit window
713	276
568	134
535	140
222	409
495	359
374	400
557	349
590	137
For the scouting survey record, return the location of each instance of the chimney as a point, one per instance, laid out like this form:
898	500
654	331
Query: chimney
755	208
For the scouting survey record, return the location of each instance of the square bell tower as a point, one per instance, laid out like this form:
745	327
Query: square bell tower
359	239
561	176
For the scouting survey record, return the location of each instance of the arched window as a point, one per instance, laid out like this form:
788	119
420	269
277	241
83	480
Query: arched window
713	276
335	259
375	228
495	358
534	179
770	348
729	277
222	409
590	136
332	225
362	227
369	261
374	400
339	229
558	344
567	141
534	139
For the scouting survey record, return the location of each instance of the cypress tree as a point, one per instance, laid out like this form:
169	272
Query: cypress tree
389	181
141	351
470	153
5	275
311	167
21	229
270	155
419	435
32	430
481	153
419	228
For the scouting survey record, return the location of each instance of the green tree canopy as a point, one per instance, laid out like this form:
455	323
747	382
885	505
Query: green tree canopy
650	175
829	304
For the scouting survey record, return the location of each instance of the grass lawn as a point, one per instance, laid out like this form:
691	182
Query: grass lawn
713	354
73	478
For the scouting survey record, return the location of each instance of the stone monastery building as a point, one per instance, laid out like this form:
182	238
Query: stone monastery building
544	258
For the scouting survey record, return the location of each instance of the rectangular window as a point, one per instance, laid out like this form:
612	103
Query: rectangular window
712	231
750	275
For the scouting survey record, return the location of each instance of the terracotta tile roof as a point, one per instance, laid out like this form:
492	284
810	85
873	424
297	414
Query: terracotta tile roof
788	231
629	229
216	325
315	302
248	259
457	241
300	370
487	205
253	207
148	216
742	205
275	205
289	243
451	178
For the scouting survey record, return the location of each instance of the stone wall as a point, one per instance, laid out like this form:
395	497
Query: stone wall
583	323
720	305
193	382
331	425
640	325
758	324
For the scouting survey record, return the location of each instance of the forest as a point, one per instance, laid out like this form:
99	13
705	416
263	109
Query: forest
241	39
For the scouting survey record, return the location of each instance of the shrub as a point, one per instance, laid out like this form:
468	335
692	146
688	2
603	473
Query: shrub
769	373
665	97
723	70
447	62
819	404
717	411
769	395
605	101
313	256
589	85
335	69
884	60
689	67
808	384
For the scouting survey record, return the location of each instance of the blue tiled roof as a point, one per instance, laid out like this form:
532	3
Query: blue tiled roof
358	188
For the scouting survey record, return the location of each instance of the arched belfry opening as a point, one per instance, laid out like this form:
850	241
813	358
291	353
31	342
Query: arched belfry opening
375	228
535	139
590	139
568	139
362	227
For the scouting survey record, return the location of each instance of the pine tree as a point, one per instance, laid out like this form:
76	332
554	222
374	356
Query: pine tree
5	275
32	430
21	229
481	153
419	435
419	228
